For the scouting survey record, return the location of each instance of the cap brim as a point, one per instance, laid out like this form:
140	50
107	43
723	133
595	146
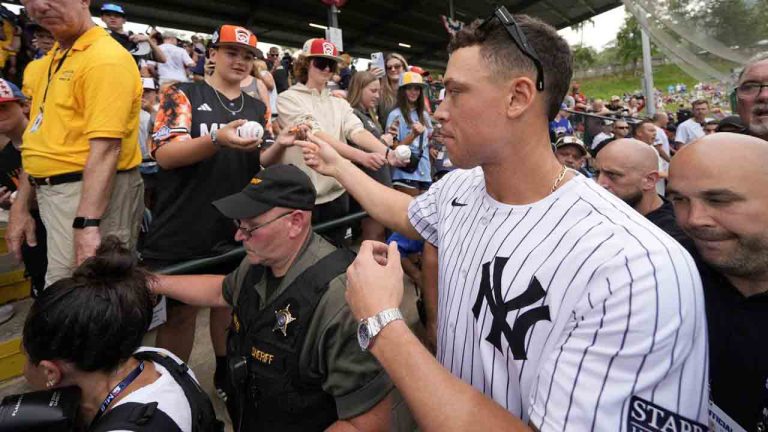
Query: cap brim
142	49
338	59
581	148
238	45
241	206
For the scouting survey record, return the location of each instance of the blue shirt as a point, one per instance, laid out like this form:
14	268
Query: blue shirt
421	144
561	127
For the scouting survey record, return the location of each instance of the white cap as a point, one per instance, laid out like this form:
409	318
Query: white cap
148	83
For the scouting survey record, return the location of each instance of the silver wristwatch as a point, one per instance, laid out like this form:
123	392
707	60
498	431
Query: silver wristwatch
370	327
214	138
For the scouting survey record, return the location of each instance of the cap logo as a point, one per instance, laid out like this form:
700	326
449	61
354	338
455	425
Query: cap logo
5	90
242	35
255	181
327	48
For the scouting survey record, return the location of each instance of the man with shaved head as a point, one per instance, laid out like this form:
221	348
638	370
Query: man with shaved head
719	187
753	96
628	168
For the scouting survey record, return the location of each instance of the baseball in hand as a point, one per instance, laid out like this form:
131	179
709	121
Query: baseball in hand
403	153
250	130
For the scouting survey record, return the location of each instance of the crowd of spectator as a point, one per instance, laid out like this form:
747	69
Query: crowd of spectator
124	149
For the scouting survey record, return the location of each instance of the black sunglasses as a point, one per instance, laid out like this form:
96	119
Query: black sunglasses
322	63
520	40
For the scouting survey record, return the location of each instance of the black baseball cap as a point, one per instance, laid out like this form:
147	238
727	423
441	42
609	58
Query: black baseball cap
276	186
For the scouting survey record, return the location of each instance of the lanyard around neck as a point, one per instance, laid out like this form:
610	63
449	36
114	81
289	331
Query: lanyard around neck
117	390
50	76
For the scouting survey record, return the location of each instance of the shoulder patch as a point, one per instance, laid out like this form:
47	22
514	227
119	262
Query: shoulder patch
646	416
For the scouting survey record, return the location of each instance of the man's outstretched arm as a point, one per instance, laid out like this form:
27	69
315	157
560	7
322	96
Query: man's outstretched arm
382	203
197	290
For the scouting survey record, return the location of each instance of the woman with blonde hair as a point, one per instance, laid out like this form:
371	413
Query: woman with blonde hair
364	96
395	65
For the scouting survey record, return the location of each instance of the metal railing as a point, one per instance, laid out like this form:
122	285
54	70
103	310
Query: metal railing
239	253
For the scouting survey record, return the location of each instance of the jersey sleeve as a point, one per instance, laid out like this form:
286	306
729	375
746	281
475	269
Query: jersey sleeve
174	118
631	356
424	214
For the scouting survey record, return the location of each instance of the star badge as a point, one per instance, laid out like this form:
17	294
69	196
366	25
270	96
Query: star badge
284	318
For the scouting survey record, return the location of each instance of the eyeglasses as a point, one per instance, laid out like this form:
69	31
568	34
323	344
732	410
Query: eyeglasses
322	63
396	66
621	127
520	40
273	54
750	89
248	232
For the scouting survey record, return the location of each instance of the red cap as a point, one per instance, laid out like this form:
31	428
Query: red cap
234	35
419	71
321	48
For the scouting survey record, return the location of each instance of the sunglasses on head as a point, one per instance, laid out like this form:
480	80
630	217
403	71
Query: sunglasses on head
518	37
322	63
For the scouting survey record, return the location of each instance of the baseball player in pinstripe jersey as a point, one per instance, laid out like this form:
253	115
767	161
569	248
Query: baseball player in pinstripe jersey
560	308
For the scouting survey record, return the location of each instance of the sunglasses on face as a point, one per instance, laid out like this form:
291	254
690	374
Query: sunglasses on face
396	66
322	63
518	37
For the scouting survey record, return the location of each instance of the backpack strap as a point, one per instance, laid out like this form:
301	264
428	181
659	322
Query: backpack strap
135	417
203	415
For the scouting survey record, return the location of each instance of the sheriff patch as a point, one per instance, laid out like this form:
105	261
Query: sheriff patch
645	416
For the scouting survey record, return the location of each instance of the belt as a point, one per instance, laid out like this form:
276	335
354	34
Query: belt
62	178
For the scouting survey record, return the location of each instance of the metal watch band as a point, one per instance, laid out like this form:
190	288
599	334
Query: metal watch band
383	318
214	136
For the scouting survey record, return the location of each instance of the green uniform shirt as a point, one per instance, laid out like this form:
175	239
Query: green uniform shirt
330	353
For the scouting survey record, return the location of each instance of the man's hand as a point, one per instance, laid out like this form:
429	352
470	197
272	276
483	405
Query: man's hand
139	37
87	240
227	137
375	280
287	136
5	198
433	152
372	161
21	228
320	156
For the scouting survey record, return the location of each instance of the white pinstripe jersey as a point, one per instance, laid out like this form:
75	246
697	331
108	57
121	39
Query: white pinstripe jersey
574	312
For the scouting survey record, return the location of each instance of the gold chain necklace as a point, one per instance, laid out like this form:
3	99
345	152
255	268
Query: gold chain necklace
559	179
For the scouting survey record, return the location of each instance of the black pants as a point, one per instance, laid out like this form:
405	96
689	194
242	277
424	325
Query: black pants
329	211
36	258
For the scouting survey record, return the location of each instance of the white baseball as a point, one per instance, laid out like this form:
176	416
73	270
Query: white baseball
403	153
251	130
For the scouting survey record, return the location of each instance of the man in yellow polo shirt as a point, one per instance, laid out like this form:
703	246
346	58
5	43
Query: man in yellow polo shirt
81	148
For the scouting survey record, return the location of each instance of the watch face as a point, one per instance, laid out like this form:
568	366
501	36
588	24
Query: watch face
363	335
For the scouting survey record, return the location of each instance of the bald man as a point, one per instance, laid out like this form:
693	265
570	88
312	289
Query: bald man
628	168
719	187
645	131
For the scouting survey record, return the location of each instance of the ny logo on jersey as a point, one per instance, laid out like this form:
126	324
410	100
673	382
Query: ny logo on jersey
491	292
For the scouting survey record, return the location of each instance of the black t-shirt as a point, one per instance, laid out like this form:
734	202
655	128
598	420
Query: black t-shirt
664	218
738	349
10	167
280	76
185	225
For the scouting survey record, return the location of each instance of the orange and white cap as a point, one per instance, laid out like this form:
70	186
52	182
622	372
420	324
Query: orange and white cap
321	48
235	36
